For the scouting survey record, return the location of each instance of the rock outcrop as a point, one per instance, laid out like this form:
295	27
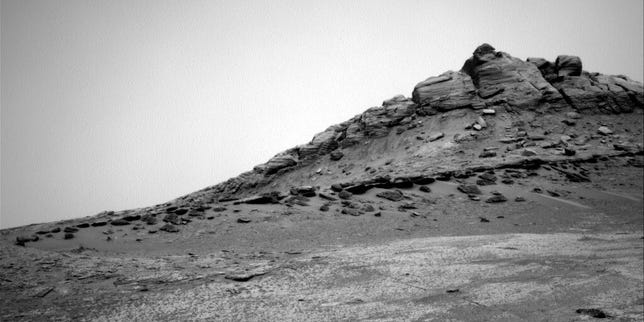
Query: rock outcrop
489	80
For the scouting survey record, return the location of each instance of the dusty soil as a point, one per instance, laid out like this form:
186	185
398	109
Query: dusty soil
570	246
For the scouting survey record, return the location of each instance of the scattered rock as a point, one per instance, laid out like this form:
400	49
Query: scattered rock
496	199
21	240
569	122
305	191
180	211
487	154
55	230
68	236
219	209
345	194
170	228
173	219
243	277
99	223
395	195
336	187
377	214
272	197
519	199
358	188
425	189
596	313
119	222
83	225
603	130
436	136
469	189
243	220
336	155
486	179
324	207
70	230
133	217
483	219
326	196
569	152
352	212
488	111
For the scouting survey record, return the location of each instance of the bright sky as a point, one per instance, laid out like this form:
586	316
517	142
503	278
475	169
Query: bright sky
110	105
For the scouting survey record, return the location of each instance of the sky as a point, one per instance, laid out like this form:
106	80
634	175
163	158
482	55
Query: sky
119	104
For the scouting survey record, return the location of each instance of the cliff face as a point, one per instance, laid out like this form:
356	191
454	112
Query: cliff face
489	80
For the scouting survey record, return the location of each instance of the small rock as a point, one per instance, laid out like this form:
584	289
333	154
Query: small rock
483	219
70	230
352	212
569	122
603	130
336	155
55	230
83	225
477	127
326	196
377	214
455	290
68	236
132	217
306	191
596	313
169	228
487	154
469	189
119	222
480	121
488	111
519	199
569	152
99	223
436	136
243	220
324	207
395	195
573	115
425	189
345	194
496	199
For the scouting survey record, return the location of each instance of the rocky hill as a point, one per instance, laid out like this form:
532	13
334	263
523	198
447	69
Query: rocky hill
515	185
495	101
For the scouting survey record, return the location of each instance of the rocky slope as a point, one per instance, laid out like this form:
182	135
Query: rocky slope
523	150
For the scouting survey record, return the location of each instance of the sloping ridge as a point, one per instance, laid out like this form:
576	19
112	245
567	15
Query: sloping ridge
489	79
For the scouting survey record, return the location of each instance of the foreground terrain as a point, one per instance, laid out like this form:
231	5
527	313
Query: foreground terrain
451	258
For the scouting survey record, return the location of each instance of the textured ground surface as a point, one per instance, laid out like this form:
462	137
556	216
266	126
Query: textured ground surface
537	260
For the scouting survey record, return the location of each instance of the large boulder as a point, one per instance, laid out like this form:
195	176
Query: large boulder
450	90
503	78
567	65
601	93
278	162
